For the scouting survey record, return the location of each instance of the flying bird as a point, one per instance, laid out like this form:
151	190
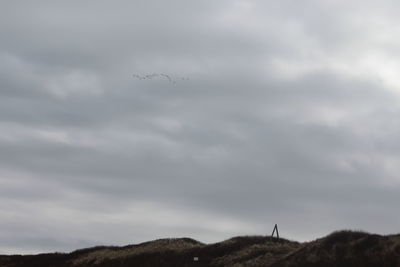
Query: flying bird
170	78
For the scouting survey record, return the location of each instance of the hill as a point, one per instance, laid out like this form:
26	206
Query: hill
343	248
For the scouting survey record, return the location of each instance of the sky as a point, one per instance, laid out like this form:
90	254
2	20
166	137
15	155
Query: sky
281	112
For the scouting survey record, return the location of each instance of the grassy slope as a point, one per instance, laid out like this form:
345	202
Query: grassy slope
345	248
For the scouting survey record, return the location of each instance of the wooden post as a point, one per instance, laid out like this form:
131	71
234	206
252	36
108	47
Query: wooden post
275	230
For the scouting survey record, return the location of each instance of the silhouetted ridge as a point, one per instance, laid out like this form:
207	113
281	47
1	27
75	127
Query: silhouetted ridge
346	248
339	249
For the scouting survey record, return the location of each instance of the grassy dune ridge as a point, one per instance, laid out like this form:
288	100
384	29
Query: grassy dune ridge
341	248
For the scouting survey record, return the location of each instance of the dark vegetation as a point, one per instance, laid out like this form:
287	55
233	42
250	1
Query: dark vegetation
344	249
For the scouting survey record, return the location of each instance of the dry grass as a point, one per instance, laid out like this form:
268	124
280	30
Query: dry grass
347	249
96	257
343	248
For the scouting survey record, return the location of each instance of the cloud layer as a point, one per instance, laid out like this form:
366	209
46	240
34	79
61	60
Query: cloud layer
289	116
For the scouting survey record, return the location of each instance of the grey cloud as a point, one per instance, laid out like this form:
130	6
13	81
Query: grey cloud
275	124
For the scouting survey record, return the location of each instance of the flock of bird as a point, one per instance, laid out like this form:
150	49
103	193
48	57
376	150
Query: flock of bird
170	78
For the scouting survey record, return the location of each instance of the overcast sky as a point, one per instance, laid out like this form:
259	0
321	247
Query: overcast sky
280	112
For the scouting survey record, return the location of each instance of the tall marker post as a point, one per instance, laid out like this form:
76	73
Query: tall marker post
275	230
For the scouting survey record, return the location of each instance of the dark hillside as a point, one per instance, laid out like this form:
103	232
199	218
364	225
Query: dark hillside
345	248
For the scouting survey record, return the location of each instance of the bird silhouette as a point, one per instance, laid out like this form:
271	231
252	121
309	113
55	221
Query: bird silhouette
168	77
